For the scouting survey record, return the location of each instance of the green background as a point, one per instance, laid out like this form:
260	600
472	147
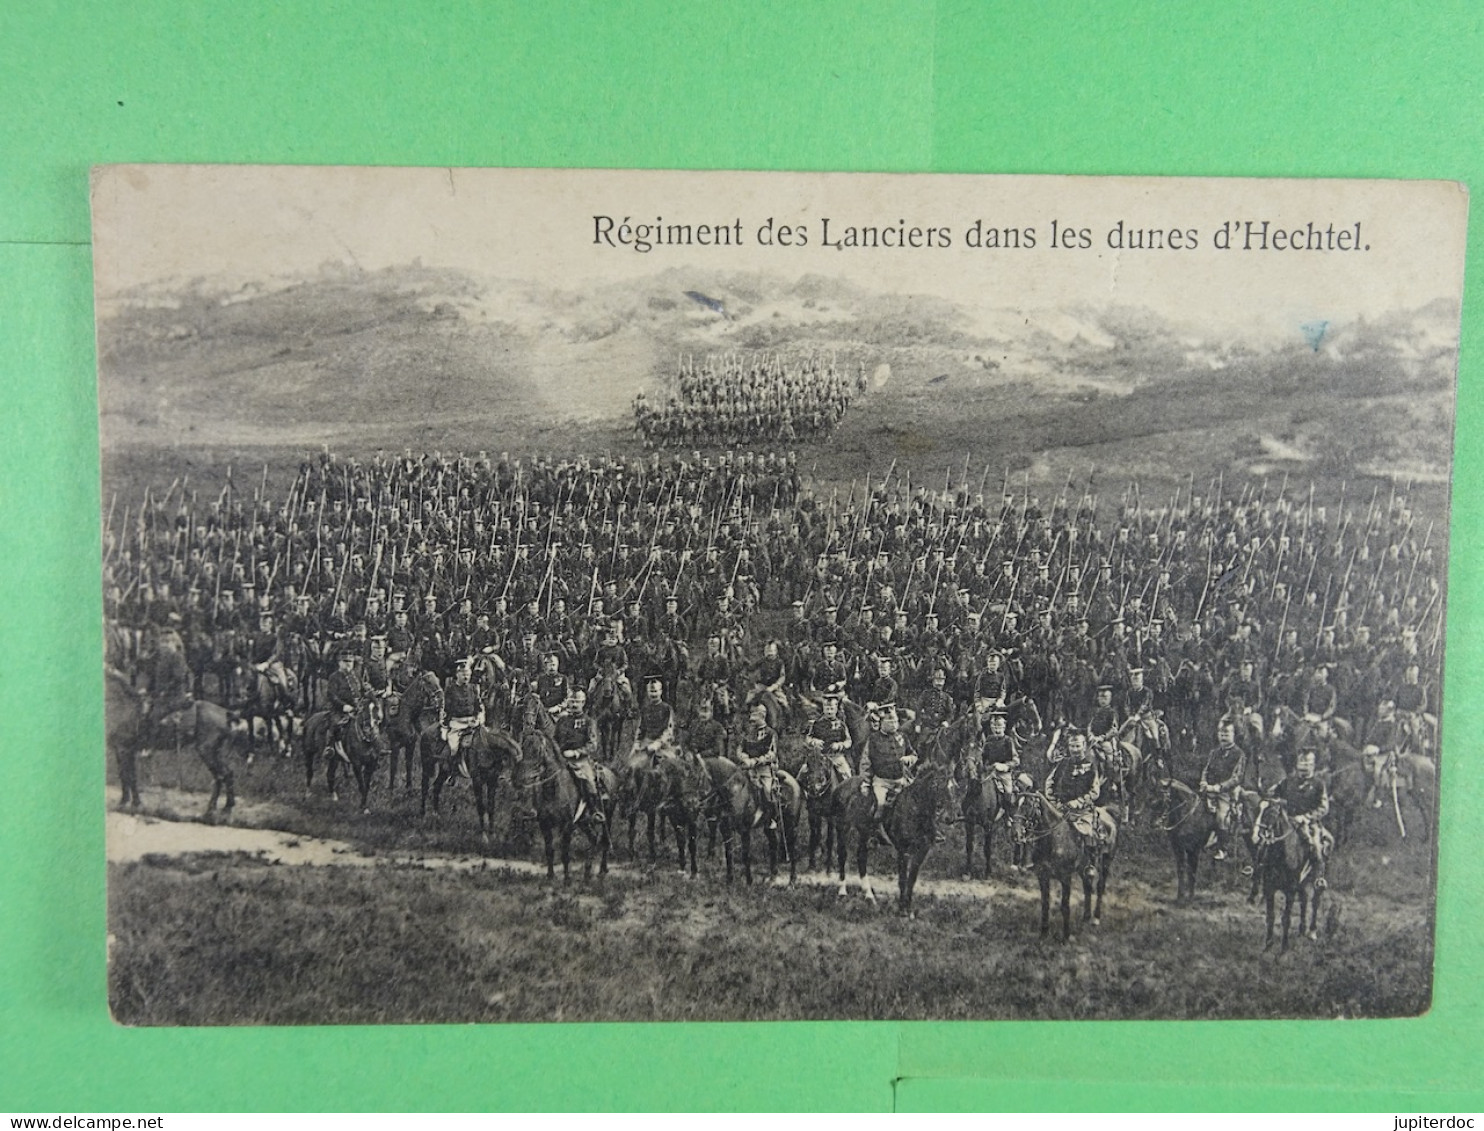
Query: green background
1273	89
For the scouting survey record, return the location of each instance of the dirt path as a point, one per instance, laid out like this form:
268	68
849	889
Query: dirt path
133	836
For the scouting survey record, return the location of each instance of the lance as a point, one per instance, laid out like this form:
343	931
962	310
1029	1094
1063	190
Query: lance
1282	624
1415	559
1324	609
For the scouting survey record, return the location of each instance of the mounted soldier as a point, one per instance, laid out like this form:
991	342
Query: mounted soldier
462	711
757	755
1222	779
1074	783
886	763
577	739
829	735
343	696
1306	797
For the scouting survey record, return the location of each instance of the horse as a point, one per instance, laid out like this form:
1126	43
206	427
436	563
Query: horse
819	780
557	802
363	740
1284	865
1404	774
264	698
123	717
487	754
740	809
672	785
1059	852
611	702
420	706
1119	762
910	822
205	725
1190	824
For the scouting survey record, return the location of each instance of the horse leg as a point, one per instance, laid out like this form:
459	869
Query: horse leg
1269	894
989	847
427	778
1066	908
364	770
914	866
1045	879
332	773
567	854
726	846
649	831
841	851
862	852
1097	912
969	847
747	854
1287	918
128	764
550	853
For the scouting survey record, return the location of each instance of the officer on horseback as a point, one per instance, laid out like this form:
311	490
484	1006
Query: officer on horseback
886	762
1074	783
343	694
577	739
654	737
758	756
1001	754
829	735
1306	797
1221	782
462	711
169	683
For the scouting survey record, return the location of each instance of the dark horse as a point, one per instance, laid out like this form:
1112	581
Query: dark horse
740	808
420	707
1190	824
1284	864
610	700
204	725
911	823
273	703
669	785
1059	852
486	752
363	740
555	797
820	780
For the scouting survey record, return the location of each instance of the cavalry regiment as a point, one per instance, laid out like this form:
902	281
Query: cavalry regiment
1240	669
748	400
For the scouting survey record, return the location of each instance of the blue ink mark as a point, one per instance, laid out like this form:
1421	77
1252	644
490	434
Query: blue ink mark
709	303
1314	333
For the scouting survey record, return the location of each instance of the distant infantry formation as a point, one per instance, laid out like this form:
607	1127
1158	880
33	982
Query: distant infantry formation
705	640
748	399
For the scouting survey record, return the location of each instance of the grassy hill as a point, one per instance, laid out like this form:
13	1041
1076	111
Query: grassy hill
438	359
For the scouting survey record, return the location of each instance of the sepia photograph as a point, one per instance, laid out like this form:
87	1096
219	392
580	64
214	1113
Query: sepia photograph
562	595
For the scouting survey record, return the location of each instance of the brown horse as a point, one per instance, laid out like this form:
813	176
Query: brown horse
1058	852
420	707
911	823
740	808
363	740
820	780
1285	865
557	801
669	785
1190	823
204	725
611	702
263	699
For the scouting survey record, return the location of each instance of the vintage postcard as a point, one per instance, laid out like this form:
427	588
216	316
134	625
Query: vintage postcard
580	595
